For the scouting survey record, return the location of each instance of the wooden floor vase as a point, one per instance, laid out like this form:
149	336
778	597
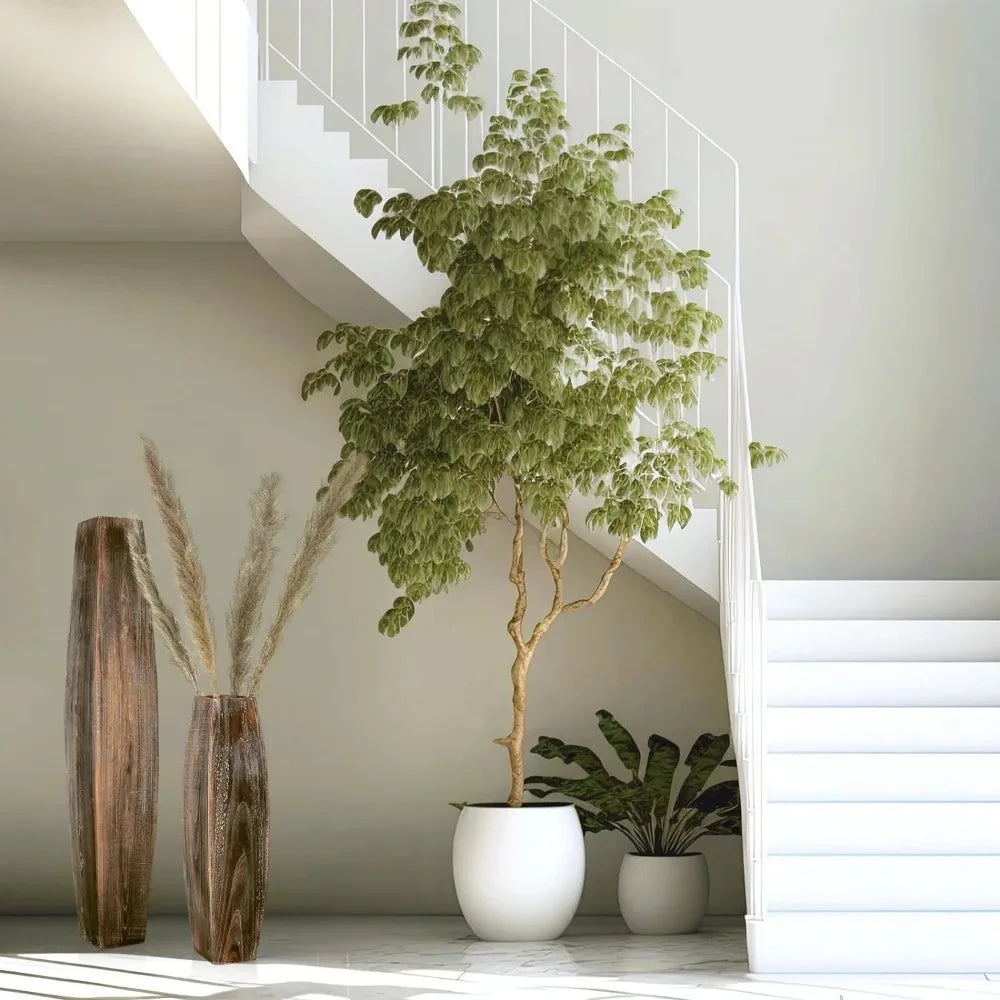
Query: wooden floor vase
225	828
111	737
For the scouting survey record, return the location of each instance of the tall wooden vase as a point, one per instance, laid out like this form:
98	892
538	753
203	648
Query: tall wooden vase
112	761
225	827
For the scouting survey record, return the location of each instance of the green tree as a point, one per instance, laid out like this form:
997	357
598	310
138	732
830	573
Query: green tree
515	374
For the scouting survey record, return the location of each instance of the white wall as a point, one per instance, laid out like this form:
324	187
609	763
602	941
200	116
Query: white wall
868	134
202	347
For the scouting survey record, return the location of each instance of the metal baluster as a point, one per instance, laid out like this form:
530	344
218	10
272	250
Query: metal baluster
395	41
566	64
466	167
298	51
630	137
597	90
698	195
364	60
219	65
531	37
196	50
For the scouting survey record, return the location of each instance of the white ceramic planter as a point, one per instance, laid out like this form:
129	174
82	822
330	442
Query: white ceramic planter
663	895
518	872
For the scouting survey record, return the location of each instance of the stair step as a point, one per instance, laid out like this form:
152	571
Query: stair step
801	684
883	777
873	730
939	827
898	641
903	882
883	599
864	942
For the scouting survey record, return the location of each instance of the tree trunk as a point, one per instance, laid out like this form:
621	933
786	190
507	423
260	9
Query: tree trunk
515	741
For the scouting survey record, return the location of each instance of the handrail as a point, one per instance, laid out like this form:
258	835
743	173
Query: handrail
668	141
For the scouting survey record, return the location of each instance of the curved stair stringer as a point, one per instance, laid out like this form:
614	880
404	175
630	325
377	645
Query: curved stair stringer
298	213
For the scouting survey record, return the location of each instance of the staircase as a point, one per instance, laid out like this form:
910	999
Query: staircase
865	715
882	817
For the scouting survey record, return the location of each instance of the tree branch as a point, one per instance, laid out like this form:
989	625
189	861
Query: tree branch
555	569
516	576
495	510
555	565
602	585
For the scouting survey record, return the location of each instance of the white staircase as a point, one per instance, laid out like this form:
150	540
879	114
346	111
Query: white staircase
882	778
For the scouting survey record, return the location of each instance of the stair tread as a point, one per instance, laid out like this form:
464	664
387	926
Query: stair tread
875	941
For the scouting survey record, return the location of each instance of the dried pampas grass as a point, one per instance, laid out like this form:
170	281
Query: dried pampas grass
314	546
253	577
245	611
187	566
163	616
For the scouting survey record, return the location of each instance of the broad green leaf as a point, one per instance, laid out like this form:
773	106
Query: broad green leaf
703	758
594	822
569	753
722	796
727	825
611	797
365	202
620	740
661	765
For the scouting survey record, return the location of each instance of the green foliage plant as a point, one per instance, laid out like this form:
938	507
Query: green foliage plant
658	820
513	377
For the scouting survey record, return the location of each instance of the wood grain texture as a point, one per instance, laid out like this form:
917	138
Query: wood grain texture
111	729
225	828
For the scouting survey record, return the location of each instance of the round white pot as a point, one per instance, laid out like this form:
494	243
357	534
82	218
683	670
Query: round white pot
518	872
663	895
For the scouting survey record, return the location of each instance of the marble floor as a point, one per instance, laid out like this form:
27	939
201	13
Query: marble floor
426	958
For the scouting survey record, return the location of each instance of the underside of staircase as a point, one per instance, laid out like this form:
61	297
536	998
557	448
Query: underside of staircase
882	818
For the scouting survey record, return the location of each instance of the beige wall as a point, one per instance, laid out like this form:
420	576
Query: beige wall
868	136
202	347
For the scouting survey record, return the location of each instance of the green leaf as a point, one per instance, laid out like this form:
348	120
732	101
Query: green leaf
366	201
703	758
397	617
620	740
765	454
609	797
661	765
728	825
723	796
594	822
569	753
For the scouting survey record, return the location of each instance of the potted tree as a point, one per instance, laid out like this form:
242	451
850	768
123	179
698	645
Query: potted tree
662	884
512	394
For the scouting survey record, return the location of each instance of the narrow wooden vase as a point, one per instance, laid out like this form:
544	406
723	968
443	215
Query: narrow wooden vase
111	737
225	828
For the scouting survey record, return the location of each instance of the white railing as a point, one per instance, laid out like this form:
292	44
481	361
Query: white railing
343	54
211	48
